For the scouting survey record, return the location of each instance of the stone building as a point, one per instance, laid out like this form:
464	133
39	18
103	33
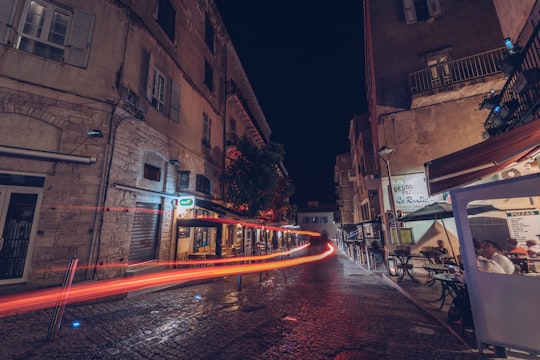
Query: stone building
116	114
424	87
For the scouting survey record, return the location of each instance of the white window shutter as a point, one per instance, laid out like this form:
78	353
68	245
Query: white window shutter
6	10
175	101
410	12
150	78
79	38
434	7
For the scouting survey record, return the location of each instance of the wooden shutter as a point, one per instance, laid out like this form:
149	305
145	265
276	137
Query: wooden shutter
79	38
410	12
150	77
175	101
6	10
434	7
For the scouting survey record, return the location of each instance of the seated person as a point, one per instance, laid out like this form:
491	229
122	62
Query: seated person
533	249
444	257
492	251
512	248
377	252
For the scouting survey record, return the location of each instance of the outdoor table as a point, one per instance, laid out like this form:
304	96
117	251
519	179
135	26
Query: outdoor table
406	265
449	287
435	269
198	256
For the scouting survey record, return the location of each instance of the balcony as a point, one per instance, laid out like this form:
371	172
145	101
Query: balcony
231	139
519	99
443	76
247	115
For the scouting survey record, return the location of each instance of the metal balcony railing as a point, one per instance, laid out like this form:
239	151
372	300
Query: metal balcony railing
520	97
456	71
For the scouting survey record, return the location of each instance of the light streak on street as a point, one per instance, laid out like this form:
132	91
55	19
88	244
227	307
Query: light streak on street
42	299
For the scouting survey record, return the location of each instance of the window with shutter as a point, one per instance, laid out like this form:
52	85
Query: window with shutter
6	16
209	34
79	38
410	13
208	75
159	81
166	17
434	7
175	102
55	33
206	130
420	10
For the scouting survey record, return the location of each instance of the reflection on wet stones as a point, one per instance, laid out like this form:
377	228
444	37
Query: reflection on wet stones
250	308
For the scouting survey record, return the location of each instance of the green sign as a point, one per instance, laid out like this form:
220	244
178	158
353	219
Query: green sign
187	202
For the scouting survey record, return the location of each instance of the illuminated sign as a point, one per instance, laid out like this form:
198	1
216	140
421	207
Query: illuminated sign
186	202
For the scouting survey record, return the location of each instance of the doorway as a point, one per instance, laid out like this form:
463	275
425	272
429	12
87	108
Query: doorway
17	220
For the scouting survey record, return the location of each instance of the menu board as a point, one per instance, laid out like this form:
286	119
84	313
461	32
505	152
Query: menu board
523	225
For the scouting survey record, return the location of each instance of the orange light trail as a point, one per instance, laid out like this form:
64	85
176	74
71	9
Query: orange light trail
239	258
196	262
42	299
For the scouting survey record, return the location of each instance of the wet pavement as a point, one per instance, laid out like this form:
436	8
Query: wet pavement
332	309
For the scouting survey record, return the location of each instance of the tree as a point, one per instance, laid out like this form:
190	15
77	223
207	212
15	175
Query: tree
252	179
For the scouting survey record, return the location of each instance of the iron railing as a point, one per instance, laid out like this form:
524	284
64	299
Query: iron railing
456	71
519	99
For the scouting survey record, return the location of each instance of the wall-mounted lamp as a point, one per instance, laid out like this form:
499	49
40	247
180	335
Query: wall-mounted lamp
94	133
174	162
509	45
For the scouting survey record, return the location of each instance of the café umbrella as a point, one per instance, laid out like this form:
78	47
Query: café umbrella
443	210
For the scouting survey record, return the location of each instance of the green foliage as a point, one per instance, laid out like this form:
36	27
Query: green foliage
252	182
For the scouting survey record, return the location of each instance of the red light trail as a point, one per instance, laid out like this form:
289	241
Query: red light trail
42	299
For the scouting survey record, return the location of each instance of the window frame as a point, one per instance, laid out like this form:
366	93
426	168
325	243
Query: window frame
209	34
47	27
151	172
208	75
159	90
166	20
410	8
202	184
207	130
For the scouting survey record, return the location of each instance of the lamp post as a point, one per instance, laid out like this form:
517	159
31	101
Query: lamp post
386	153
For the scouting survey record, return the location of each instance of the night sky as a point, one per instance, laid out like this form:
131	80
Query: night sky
304	60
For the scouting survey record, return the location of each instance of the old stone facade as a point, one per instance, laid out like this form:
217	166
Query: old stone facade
428	69
112	111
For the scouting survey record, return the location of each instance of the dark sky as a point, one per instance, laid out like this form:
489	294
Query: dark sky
304	60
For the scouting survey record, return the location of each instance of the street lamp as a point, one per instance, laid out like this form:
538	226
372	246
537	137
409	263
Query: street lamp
386	153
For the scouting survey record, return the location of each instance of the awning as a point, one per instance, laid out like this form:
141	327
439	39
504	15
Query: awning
483	159
217	208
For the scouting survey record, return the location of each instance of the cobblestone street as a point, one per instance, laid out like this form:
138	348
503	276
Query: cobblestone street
332	309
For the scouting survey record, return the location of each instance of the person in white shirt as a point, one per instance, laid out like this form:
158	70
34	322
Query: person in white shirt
533	249
490	249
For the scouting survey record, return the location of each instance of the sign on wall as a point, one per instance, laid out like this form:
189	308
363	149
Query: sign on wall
410	192
523	225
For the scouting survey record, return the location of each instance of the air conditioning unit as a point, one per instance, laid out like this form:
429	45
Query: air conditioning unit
516	170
